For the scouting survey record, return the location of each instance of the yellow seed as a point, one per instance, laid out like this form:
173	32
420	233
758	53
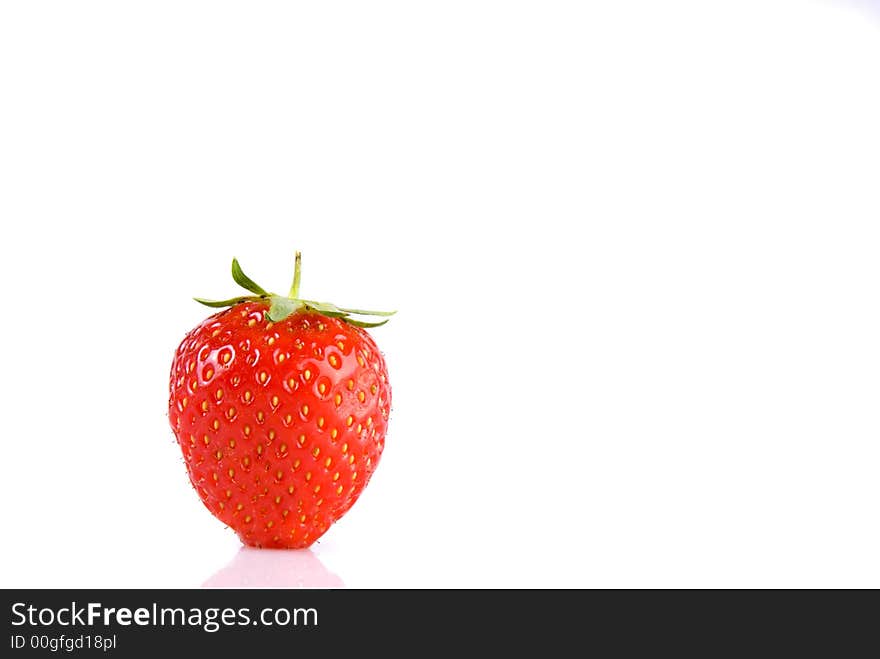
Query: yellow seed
231	471
296	464
190	367
259	449
248	396
358	429
361	360
247	431
247	519
305	410
307	375
263	377
218	394
192	439
246	461
281	357
270	524
228	494
317	488
321	422
271	434
339	490
184	402
321	327
336	476
301	440
340	345
219	455
274	401
285	513
204	406
261	416
328	462
302	519
287	419
209	373
373	389
239	507
345	448
316	451
279	474
319	502
291	383
270	340
230	412
225	357
252	322
290	489
334	361
361	396
350	385
369	421
308	476
337	399
216	424
282	448
334	433
349	420
216	477
277	499
231	443
351	459
354	475
206	440
216	332
322	388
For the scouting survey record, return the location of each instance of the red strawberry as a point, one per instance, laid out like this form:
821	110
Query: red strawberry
280	406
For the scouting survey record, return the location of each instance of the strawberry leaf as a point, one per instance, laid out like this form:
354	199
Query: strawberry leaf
326	308
224	303
363	312
281	307
361	323
246	282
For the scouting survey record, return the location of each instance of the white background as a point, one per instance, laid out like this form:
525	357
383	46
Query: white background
634	247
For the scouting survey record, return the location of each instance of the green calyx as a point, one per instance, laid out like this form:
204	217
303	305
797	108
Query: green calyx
280	307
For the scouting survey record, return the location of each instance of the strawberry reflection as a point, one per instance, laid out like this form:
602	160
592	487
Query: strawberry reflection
274	568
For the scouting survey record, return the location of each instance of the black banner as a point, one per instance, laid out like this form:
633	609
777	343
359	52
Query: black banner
131	623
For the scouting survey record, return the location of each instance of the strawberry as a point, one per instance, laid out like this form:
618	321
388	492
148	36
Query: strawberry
280	406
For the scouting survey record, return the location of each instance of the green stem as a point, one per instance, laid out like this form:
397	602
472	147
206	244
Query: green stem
297	265
282	307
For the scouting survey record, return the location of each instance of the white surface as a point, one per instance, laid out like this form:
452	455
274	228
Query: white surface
634	245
